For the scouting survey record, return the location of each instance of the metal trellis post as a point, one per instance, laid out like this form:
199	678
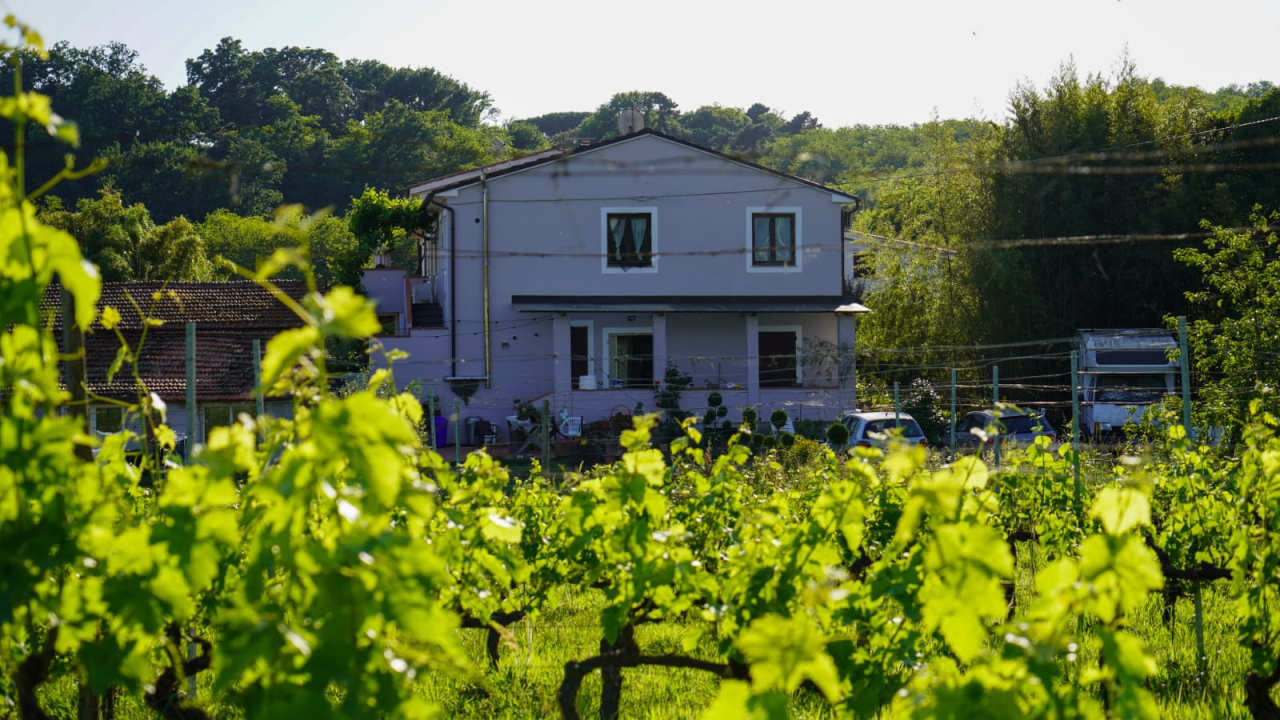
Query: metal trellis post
995	399
953	414
1184	362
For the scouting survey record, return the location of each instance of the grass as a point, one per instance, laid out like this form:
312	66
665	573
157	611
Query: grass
527	679
526	682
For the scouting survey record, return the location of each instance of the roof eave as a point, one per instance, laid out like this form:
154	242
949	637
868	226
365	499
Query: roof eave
497	172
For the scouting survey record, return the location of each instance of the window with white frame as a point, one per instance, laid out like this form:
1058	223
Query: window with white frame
630	239
629	360
773	239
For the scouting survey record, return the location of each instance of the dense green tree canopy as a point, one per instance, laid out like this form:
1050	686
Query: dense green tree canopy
126	245
247	241
1234	347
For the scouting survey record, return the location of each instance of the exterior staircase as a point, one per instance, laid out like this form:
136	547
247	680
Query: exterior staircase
428	315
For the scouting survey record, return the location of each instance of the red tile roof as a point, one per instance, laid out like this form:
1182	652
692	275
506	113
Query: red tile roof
228	317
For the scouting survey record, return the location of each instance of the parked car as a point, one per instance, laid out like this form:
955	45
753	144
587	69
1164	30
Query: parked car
977	431
873	429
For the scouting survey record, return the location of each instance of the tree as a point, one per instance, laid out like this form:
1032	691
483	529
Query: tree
660	113
714	126
558	122
753	140
526	137
1234	349
247	241
109	94
380	221
930	282
166	174
400	145
228	78
126	245
374	84
1050	190
800	123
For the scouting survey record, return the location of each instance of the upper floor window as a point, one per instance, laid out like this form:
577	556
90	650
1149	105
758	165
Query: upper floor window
773	239
630	242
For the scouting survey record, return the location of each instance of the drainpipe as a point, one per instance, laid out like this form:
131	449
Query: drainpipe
484	211
453	274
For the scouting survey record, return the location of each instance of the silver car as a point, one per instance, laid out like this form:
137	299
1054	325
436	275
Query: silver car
977	431
872	429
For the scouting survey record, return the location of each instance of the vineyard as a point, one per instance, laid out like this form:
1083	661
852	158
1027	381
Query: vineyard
331	565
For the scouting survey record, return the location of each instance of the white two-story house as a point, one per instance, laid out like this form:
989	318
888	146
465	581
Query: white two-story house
579	276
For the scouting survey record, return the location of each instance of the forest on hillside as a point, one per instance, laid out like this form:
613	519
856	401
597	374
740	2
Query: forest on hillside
1065	215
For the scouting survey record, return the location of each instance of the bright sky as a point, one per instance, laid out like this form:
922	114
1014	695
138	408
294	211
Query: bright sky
847	62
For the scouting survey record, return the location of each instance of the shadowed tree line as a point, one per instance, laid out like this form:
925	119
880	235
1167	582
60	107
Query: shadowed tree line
1082	210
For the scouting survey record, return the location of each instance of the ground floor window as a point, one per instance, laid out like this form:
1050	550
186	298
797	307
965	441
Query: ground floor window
779	350
108	419
631	359
223	415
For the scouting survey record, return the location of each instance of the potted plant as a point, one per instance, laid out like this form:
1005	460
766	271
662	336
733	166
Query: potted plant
526	411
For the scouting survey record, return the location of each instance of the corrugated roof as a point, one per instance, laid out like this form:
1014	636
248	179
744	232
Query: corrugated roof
228	317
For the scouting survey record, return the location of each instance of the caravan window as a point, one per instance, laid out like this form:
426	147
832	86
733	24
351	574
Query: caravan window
1131	389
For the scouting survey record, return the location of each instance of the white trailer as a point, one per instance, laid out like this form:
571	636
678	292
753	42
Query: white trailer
1122	372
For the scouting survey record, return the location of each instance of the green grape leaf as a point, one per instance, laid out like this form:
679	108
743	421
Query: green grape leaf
345	313
497	527
1121	509
284	350
784	652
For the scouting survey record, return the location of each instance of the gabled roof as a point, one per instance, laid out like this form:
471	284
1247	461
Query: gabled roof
229	316
488	172
688	303
453	180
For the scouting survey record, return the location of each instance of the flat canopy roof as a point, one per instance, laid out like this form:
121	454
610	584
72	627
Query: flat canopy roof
686	303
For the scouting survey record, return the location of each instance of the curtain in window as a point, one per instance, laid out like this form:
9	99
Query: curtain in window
760	238
784	248
617	230
639	228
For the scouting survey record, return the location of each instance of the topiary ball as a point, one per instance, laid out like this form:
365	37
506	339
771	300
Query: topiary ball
787	439
778	418
838	434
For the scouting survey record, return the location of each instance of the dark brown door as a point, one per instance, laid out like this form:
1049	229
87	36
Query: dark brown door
778	358
579	352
